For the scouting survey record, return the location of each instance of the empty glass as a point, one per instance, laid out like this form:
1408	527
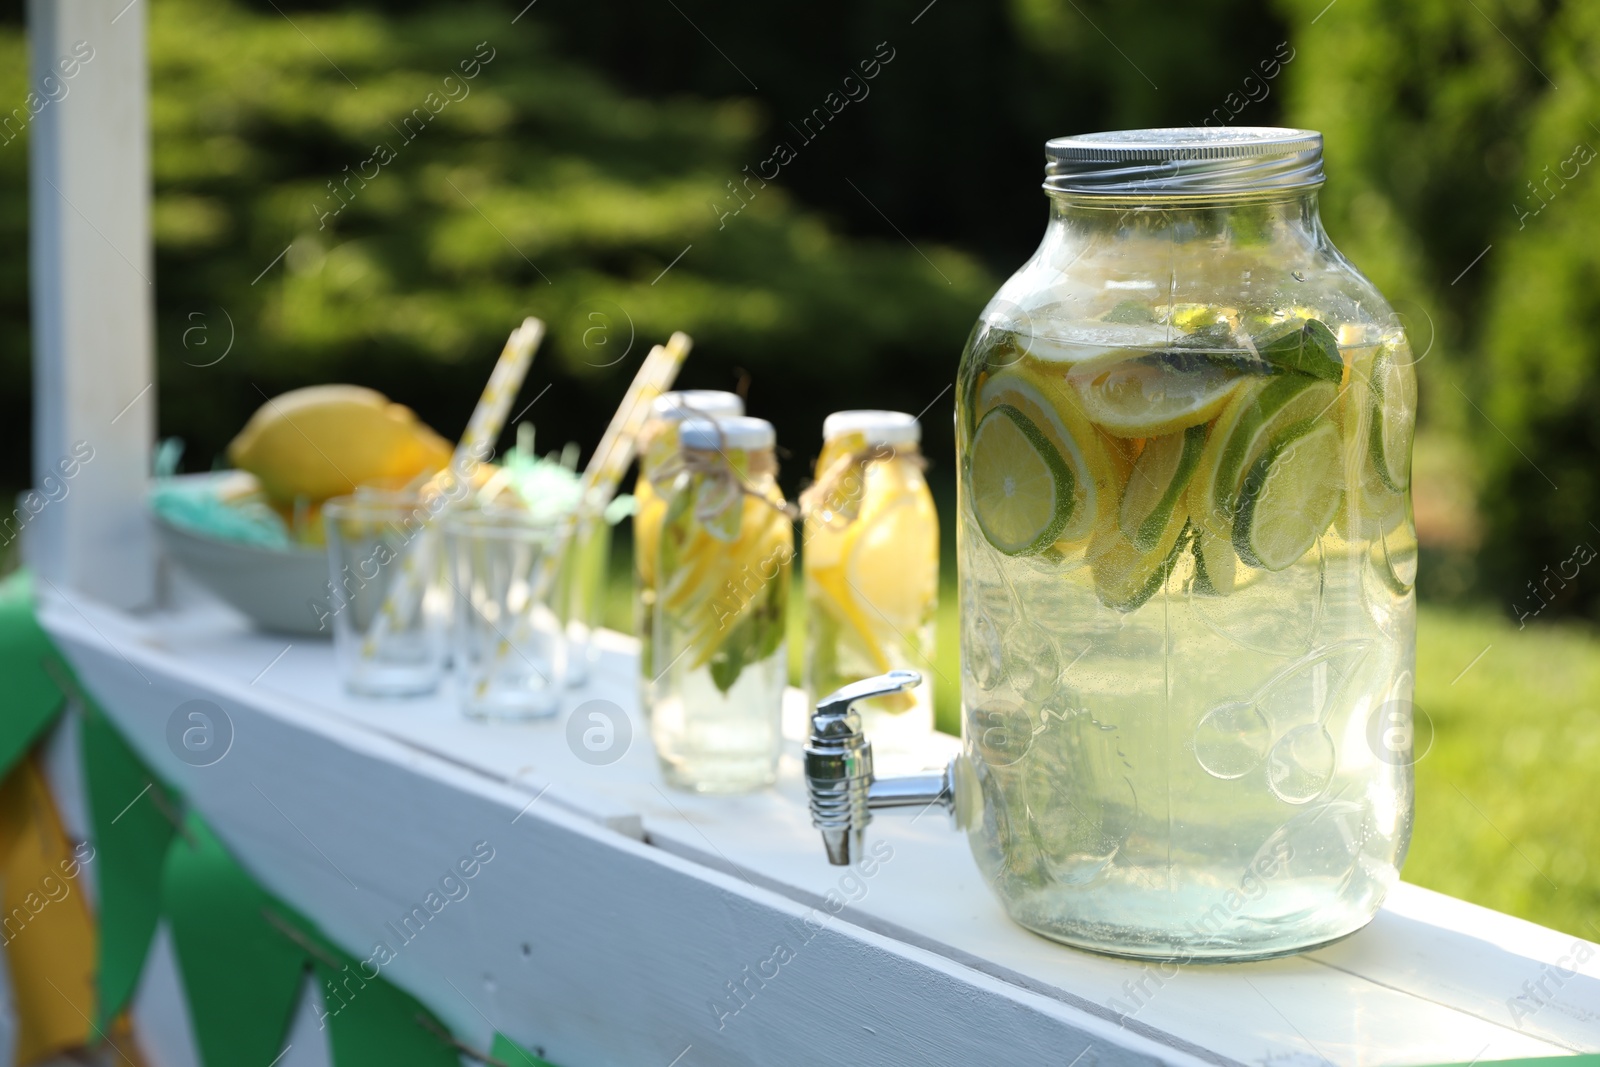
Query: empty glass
383	562
510	645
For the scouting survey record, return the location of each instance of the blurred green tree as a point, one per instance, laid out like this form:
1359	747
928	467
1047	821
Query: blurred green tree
1455	183
353	196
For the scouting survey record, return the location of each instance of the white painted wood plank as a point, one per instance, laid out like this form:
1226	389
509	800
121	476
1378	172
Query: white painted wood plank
575	939
1350	1017
1539	981
1384	999
91	273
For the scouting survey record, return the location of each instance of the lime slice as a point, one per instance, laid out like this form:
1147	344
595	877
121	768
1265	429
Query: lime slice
1394	414
1287	400
1203	493
1022	490
1289	496
1153	393
1068	432
1399	571
1308	347
1216	565
1125	577
1156	484
1371	509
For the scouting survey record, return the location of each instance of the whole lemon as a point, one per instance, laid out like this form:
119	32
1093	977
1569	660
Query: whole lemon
324	440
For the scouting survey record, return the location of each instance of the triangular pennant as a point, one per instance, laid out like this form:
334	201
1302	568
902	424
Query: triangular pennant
27	661
512	1054
45	926
374	1024
241	973
133	815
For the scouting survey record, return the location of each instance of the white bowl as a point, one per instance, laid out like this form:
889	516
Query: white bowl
279	589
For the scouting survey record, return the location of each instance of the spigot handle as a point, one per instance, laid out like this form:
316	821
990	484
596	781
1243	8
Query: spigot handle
840	701
839	764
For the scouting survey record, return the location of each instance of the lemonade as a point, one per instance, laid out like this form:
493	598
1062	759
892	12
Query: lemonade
725	546
658	442
871	564
1186	588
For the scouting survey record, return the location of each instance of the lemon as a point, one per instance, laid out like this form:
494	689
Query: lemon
648	514
1022	490
892	566
1289	496
325	440
1154	393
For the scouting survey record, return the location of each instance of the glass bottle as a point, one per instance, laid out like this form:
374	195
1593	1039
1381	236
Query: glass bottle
658	441
1187	555
870	556
722	570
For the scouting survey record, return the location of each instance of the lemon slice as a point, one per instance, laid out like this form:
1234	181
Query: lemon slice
1153	393
1156	484
1058	416
1022	490
1289	496
893	567
1394	411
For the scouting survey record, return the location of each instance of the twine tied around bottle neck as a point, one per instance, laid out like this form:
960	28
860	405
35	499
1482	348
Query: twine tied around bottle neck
717	485
834	499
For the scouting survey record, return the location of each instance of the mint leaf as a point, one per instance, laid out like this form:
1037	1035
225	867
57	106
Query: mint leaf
1309	348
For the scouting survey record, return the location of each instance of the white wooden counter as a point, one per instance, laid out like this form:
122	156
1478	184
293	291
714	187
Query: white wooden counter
615	912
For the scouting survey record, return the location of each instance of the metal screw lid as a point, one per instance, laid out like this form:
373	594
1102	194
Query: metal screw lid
696	403
735	431
879	427
1184	161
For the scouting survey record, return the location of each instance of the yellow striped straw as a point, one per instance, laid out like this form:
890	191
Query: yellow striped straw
606	467
483	428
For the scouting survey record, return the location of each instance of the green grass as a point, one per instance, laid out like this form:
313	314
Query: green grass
1505	790
1505	797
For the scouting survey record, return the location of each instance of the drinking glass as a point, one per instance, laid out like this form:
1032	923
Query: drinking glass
510	643
384	579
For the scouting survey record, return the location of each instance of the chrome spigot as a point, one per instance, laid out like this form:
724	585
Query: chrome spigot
839	777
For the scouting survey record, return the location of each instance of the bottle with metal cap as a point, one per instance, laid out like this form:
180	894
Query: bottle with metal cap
722	566
1186	550
870	557
658	442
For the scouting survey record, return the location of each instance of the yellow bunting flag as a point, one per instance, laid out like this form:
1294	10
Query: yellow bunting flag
46	933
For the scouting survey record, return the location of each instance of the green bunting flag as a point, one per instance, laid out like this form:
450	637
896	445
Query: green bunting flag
133	815
242	955
33	697
512	1054
375	1024
242	975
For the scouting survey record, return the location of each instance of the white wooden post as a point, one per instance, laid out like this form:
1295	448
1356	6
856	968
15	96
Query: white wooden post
85	528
